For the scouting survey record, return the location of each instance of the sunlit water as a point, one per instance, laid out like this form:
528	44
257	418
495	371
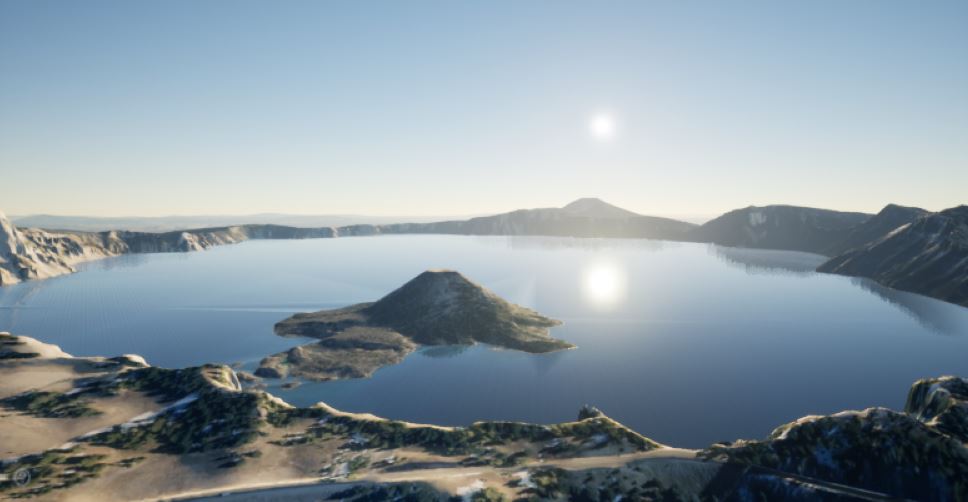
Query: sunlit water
686	343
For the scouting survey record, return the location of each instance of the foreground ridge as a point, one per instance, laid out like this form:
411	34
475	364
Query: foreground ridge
118	429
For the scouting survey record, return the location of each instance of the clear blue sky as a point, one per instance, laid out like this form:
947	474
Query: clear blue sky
454	107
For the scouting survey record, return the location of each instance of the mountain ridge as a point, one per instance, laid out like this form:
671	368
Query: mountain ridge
40	254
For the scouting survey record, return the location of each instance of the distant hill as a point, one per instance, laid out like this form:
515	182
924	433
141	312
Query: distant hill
780	227
927	256
587	217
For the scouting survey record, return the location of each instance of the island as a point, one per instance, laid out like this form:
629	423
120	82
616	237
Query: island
438	307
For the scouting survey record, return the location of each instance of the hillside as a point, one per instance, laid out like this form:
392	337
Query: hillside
927	256
790	228
877	226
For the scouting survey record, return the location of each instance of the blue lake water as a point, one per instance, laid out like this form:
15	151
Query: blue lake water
686	343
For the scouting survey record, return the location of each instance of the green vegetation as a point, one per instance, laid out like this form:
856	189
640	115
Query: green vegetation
49	471
217	419
599	485
50	405
357	463
389	434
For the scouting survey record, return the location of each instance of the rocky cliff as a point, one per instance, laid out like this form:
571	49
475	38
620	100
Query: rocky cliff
918	454
37	254
31	253
927	256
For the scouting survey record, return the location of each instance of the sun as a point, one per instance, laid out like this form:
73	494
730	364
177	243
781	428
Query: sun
602	126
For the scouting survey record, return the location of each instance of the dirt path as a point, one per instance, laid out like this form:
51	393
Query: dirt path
312	489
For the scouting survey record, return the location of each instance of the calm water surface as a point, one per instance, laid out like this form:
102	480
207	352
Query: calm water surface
686	343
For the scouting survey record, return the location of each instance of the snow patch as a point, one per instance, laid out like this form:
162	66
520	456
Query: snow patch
466	493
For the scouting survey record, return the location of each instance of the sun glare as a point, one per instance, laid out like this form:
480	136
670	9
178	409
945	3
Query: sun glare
604	284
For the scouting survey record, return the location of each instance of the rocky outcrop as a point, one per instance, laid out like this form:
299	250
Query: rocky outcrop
927	256
920	453
789	228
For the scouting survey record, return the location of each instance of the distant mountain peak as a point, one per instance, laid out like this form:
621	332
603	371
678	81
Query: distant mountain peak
596	208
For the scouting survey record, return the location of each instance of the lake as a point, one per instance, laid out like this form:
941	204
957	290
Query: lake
686	343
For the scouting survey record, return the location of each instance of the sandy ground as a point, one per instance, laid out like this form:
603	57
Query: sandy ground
450	479
22	434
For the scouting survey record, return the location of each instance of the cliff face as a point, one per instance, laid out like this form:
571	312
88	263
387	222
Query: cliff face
927	256
36	254
31	253
205	238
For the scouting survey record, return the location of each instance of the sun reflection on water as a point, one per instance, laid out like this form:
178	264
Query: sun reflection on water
604	284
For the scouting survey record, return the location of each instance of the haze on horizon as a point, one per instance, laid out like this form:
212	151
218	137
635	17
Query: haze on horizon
112	108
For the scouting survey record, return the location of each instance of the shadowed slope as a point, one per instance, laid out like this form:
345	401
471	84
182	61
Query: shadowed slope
928	256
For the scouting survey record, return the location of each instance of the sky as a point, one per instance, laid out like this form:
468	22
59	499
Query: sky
451	108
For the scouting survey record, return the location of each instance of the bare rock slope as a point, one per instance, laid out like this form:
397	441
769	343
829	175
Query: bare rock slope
37	254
